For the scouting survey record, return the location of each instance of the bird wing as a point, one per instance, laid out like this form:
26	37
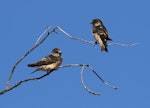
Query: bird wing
102	31
105	32
47	60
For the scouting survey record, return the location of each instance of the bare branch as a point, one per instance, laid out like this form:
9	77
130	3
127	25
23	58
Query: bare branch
23	81
68	35
67	65
82	81
119	44
46	30
91	42
92	70
113	87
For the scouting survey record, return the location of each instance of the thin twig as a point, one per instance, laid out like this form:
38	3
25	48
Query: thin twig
120	44
46	30
68	35
23	81
105	83
82	81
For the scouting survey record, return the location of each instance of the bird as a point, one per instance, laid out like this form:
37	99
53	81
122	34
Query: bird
49	63
100	34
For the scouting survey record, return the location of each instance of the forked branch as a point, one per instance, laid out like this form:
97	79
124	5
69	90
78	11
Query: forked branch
65	66
91	70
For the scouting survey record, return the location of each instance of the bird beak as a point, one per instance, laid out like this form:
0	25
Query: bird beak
59	52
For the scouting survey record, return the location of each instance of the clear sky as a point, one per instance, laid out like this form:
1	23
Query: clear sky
21	22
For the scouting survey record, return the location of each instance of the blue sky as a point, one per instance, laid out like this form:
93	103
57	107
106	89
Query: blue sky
127	21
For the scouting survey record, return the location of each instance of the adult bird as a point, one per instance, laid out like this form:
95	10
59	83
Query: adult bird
50	62
100	34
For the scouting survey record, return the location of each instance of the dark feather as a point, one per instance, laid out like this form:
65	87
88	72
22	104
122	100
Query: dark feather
47	60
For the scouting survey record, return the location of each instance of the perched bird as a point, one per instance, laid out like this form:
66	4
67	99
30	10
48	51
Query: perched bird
100	33
50	62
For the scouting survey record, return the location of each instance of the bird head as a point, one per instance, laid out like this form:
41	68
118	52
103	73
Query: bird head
96	22
56	52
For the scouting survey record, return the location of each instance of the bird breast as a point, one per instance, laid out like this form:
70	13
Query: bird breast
48	67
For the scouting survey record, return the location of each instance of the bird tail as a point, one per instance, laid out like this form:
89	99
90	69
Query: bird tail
109	39
104	48
32	65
